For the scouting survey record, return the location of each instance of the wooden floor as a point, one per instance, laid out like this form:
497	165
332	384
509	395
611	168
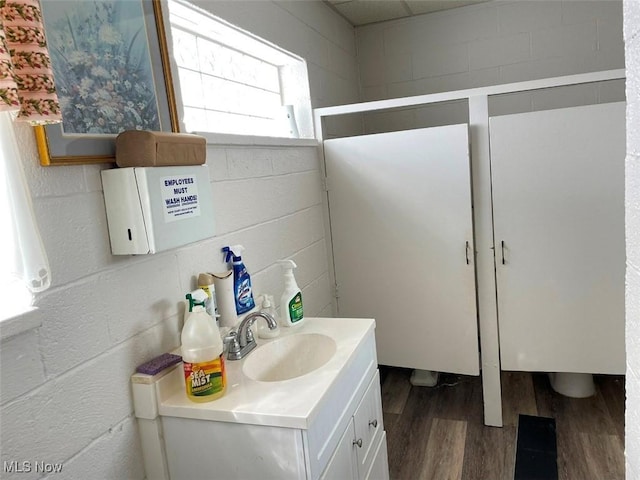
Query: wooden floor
438	433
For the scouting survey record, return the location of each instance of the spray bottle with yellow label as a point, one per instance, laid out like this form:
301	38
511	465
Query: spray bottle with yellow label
202	356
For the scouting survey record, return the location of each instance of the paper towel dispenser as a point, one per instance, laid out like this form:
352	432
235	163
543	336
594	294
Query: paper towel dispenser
151	209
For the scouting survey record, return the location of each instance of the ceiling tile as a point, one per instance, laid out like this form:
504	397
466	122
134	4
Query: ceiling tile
418	7
361	12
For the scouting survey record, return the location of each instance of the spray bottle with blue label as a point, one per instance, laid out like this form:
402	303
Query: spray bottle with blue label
241	280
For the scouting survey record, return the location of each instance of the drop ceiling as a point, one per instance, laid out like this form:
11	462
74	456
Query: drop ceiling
363	12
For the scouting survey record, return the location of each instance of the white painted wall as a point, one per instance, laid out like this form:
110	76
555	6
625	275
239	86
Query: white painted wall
489	44
65	394
632	193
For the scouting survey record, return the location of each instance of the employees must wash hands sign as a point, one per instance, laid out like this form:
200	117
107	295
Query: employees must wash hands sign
179	197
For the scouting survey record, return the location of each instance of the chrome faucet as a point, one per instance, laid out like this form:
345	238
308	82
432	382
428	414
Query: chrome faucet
242	341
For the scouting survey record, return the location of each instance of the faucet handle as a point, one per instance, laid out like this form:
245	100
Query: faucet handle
231	341
250	337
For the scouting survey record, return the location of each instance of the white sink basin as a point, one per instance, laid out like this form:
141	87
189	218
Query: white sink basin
283	381
289	357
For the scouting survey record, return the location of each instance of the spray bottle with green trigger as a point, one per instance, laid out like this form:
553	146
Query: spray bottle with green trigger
202	353
291	300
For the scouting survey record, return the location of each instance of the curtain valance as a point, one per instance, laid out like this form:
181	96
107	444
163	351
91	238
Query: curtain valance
26	77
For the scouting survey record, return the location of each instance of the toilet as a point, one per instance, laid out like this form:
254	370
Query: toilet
574	385
424	378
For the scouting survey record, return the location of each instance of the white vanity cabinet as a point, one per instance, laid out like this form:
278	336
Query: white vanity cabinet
362	451
326	424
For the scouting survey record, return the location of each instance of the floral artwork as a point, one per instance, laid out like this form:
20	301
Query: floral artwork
102	66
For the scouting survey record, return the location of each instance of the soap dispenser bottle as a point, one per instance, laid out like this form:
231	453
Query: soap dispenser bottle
268	307
202	355
291	300
241	279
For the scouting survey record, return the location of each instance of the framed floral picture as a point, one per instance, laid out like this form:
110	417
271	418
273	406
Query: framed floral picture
111	67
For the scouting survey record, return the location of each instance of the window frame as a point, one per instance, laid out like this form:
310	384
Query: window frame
292	73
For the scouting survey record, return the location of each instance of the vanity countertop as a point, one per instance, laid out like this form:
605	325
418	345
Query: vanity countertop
290	403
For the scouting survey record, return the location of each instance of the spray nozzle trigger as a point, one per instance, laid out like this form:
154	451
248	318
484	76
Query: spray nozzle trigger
234	251
194	301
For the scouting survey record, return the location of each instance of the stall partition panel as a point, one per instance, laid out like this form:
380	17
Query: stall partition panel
558	202
401	228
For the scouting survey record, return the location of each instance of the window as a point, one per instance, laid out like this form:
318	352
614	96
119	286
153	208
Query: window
233	82
14	294
23	263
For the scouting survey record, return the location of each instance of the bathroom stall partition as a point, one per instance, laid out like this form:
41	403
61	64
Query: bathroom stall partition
402	234
413	241
558	210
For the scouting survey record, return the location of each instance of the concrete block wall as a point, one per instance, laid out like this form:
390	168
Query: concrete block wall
64	386
488	44
632	220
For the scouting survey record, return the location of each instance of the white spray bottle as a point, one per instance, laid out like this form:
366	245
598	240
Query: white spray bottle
291	300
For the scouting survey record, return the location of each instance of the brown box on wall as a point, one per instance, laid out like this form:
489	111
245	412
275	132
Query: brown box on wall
141	148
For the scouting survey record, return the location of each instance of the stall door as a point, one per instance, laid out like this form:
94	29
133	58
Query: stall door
401	227
558	197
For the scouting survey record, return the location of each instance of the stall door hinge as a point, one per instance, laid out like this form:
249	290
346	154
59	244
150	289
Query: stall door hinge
336	291
326	185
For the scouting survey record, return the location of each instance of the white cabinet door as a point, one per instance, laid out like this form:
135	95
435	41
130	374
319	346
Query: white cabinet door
380	466
368	426
362	450
558	194
342	465
401	228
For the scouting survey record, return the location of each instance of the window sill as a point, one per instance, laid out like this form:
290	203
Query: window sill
256	141
19	322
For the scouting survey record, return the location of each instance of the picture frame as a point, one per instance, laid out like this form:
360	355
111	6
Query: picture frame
88	133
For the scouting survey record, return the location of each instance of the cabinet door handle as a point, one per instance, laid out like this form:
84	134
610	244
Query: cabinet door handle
358	442
502	246
373	423
466	251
